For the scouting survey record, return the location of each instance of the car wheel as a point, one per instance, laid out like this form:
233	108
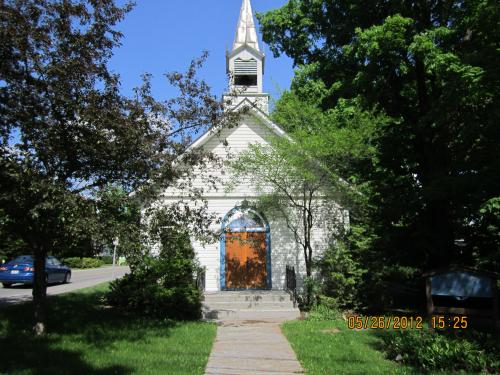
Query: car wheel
67	277
6	285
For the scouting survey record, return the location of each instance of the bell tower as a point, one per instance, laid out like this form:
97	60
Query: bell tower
245	63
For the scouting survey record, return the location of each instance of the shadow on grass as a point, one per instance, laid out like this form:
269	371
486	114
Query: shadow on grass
20	354
77	320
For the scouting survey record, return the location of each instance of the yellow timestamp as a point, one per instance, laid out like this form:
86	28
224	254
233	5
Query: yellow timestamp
406	322
385	322
454	322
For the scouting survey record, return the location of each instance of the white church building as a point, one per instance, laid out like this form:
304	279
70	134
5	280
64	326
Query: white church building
231	263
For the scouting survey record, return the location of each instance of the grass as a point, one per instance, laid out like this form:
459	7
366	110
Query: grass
86	337
340	351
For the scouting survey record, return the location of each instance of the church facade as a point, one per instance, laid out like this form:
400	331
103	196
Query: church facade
253	250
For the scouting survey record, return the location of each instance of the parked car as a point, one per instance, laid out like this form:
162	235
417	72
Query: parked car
22	271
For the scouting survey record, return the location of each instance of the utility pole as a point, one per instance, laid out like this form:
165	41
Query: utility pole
115	245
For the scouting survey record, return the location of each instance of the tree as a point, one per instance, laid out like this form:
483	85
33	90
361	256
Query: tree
300	178
311	174
431	68
65	130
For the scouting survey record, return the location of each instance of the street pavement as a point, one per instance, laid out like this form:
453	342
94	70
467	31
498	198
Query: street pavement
79	279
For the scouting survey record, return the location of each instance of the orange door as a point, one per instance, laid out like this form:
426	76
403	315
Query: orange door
246	260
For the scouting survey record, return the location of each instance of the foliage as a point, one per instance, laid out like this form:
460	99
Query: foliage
11	245
341	277
119	217
326	309
163	286
83	263
311	174
430	350
485	236
426	73
308	296
87	337
294	187
66	132
91	263
107	259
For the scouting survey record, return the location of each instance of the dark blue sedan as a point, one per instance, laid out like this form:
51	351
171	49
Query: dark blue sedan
22	271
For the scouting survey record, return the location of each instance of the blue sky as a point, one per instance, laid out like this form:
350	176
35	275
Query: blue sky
165	35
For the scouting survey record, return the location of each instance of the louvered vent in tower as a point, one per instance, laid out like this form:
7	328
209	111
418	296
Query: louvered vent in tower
245	72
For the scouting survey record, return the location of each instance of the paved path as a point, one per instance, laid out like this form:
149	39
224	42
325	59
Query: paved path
79	279
252	348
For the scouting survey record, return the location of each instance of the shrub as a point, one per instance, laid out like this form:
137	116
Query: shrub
83	263
91	263
325	309
308	297
72	262
107	259
341	276
449	351
161	287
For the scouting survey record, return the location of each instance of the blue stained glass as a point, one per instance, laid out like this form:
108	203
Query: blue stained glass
247	222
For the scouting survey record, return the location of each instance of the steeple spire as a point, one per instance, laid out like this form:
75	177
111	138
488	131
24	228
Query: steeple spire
246	32
245	63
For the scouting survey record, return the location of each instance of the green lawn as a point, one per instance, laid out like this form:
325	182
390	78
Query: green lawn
341	352
86	337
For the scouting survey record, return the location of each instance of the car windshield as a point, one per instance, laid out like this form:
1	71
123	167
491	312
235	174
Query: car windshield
53	261
24	258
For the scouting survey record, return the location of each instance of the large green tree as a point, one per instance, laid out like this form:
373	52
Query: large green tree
66	131
305	179
431	67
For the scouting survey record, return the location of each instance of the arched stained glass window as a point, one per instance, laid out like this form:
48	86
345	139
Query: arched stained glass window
245	220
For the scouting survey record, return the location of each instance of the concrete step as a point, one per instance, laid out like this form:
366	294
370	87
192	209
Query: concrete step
252	315
247	297
253	305
250	305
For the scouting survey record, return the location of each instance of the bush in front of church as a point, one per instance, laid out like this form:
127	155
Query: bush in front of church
340	278
162	287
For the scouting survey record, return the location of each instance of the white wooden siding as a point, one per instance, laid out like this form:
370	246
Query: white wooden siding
237	139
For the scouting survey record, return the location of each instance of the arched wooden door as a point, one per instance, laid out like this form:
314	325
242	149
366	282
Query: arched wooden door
245	254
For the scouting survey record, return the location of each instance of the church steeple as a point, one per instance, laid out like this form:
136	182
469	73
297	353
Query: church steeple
245	62
246	33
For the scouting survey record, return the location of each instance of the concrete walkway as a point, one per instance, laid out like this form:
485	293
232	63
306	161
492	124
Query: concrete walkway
252	348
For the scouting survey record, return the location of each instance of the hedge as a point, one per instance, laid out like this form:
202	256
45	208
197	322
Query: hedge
83	263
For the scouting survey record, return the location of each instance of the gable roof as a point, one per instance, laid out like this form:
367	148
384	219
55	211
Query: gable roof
254	111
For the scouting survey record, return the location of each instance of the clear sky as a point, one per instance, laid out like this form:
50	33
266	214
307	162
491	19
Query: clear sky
165	35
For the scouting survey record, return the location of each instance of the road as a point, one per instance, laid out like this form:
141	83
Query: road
79	279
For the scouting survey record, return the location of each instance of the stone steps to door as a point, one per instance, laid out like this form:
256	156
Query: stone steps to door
219	305
249	305
251	315
247	297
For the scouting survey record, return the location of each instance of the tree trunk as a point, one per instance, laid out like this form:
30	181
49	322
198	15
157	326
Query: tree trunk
39	291
308	261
